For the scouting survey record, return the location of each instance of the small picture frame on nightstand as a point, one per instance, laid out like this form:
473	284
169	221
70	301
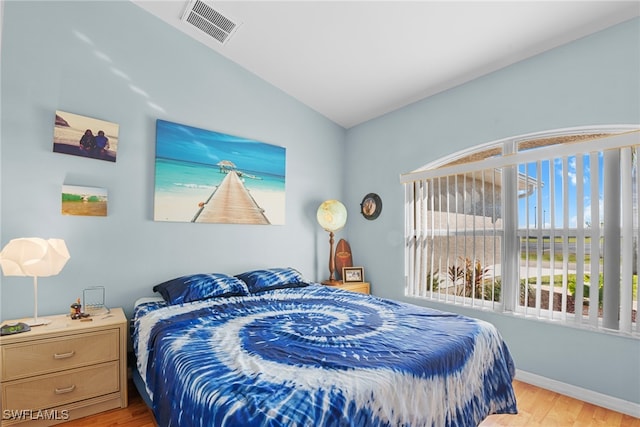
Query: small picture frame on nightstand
352	274
93	301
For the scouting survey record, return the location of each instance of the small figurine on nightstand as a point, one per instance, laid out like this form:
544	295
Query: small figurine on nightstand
76	310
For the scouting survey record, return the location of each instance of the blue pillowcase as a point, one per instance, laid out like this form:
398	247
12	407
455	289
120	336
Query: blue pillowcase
196	287
272	278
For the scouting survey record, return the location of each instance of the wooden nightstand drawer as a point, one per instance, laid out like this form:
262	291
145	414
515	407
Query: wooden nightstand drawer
362	287
62	388
56	354
64	370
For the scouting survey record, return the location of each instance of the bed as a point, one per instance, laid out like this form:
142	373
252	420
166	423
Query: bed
268	348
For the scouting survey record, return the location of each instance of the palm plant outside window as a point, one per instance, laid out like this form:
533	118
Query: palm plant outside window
543	226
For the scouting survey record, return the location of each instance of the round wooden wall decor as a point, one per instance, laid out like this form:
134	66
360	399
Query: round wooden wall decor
371	206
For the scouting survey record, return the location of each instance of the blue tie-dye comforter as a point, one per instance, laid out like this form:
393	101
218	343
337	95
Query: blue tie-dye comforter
319	356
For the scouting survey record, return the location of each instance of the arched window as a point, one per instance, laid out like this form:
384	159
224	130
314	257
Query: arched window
542	225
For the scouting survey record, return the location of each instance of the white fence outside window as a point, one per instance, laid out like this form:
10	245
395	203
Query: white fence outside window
548	231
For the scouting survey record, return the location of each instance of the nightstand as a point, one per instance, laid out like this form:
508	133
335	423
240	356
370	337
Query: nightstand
65	370
362	287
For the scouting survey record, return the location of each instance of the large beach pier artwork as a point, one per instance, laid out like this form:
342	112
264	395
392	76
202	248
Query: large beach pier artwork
84	136
212	177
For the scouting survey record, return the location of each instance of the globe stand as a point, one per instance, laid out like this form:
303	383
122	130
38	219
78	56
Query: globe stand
332	264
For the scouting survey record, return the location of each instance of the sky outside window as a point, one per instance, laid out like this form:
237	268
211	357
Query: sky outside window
531	203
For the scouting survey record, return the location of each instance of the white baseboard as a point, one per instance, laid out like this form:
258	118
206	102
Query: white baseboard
589	396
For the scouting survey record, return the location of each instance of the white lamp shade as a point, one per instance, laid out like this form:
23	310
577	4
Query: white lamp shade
332	215
33	256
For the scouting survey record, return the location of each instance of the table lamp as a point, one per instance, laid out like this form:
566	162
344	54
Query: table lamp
331	215
34	257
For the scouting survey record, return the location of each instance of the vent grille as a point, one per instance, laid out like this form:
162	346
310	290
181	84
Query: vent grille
210	21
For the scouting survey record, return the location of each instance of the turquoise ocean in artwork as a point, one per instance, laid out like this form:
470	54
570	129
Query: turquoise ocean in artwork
175	177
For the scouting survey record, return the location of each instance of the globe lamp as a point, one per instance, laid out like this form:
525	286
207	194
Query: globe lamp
332	216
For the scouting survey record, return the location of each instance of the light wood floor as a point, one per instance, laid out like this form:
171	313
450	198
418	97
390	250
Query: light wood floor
537	408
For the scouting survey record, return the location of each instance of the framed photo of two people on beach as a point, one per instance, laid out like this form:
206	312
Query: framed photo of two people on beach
84	136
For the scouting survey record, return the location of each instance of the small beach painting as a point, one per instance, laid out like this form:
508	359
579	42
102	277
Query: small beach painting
212	177
84	201
83	136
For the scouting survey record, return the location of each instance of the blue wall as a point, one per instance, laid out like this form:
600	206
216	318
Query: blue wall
113	61
595	80
95	59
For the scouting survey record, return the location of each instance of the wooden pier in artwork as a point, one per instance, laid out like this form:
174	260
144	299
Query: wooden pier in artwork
231	202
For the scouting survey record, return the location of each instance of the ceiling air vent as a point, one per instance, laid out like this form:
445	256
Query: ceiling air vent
209	20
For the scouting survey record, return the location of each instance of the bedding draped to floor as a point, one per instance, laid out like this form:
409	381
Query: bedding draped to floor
319	356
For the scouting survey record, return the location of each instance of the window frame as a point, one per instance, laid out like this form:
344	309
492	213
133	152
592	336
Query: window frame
535	147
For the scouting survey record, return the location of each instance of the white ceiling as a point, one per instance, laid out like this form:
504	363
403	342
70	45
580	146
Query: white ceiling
356	60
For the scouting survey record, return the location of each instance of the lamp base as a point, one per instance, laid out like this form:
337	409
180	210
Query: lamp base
37	322
332	282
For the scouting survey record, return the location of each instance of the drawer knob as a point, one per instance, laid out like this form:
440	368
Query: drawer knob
64	355
65	390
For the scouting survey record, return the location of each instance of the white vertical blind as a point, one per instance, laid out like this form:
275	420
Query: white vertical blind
626	249
539	238
580	237
594	297
510	250
636	203
611	251
565	236
550	235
